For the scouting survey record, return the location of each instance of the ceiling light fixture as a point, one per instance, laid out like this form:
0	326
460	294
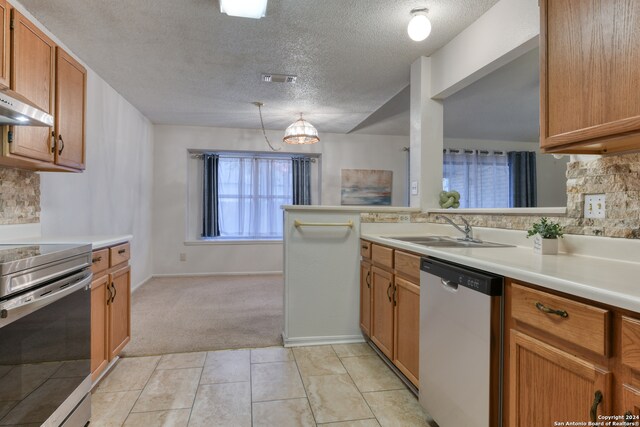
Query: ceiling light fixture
260	105
301	132
254	9
419	27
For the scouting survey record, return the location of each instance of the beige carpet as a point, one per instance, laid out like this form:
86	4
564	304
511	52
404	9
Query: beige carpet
174	315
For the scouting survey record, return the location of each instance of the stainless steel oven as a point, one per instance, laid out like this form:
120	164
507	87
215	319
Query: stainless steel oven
45	335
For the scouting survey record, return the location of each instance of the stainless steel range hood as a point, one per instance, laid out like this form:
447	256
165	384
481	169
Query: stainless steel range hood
18	111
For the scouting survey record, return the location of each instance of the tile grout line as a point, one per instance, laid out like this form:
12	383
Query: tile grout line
195	396
306	392
141	390
250	388
357	388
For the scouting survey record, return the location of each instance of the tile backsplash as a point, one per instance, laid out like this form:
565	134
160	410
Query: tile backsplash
618	177
19	196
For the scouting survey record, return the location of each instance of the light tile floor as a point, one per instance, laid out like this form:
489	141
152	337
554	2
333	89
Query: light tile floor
341	385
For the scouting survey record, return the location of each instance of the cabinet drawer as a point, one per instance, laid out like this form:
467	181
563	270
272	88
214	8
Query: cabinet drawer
365	249
99	261
408	265
119	254
631	343
580	324
382	255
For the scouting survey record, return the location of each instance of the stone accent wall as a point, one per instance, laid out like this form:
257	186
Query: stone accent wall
19	196
618	177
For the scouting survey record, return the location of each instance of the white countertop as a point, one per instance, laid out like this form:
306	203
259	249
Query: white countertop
616	283
97	242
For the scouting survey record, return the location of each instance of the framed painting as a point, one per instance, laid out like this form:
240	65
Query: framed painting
366	187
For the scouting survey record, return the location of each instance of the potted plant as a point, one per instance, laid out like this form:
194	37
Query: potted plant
545	236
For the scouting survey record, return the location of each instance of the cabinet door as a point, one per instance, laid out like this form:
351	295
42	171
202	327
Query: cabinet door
590	51
32	76
548	385
630	400
5	46
365	298
99	325
70	110
407	328
119	311
382	316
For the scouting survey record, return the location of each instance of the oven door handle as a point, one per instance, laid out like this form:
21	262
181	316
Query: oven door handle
22	305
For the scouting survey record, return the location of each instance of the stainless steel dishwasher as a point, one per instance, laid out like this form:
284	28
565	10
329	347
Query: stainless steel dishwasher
461	322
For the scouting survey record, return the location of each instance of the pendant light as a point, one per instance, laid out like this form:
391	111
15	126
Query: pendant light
419	26
301	132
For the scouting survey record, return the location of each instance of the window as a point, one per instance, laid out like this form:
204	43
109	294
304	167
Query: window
481	177
491	179
243	193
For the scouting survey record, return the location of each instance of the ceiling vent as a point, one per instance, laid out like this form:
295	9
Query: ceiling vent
278	78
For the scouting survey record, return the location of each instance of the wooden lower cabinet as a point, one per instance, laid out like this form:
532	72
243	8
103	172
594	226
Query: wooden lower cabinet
99	325
110	310
630	400
407	328
549	385
382	310
365	298
119	311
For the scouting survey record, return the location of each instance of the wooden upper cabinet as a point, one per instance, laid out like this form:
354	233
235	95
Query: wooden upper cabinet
5	43
32	76
70	98
589	76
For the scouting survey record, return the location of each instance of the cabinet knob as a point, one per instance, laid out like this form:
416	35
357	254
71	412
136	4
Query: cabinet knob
97	259
121	251
3	314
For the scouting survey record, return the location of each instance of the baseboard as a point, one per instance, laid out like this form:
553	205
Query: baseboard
305	341
134	287
233	273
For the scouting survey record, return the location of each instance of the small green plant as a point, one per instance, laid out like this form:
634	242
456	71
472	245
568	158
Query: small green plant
547	229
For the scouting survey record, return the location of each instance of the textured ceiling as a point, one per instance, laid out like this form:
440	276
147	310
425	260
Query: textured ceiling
183	62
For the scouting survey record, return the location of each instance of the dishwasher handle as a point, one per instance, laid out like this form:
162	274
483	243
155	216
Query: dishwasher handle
448	285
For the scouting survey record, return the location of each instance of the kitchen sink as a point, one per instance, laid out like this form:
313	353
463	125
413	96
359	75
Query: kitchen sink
448	242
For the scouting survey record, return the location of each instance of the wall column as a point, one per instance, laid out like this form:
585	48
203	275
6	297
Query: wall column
426	138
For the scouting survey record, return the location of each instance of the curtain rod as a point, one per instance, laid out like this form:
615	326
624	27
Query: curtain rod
201	155
468	151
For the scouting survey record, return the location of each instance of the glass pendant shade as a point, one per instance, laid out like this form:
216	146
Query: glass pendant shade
419	27
301	132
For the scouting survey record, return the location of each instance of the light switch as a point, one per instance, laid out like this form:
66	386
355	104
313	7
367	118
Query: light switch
414	188
594	206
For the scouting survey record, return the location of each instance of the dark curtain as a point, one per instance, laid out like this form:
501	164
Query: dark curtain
522	177
210	226
301	179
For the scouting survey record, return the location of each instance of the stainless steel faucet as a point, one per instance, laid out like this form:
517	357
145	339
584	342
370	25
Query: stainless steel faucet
467	231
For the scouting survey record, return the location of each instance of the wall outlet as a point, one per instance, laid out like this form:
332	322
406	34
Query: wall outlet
414	188
183	256
594	206
404	218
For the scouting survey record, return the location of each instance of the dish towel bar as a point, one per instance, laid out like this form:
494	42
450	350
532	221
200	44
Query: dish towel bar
299	223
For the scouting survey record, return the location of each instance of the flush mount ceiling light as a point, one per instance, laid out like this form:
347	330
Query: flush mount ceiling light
255	9
301	132
419	27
